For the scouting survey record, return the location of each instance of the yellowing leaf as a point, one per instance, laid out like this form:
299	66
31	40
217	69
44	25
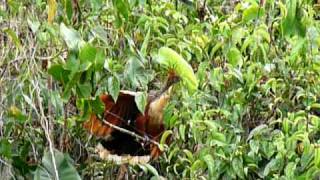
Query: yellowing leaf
173	61
52	10
13	37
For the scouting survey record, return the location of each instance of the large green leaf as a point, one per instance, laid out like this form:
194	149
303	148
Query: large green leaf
210	164
141	101
59	73
171	60
114	87
70	36
253	12
64	167
87	53
122	6
292	24
5	148
235	57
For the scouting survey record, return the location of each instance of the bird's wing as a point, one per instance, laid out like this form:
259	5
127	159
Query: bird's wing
123	112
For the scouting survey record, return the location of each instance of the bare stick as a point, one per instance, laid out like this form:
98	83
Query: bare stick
131	133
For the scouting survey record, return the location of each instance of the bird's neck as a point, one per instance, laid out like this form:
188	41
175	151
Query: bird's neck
155	111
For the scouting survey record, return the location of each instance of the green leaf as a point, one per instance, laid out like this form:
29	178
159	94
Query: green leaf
68	8
29	101
58	73
210	164
84	90
272	166
253	12
217	79
74	79
13	37
290	170
136	73
64	166
141	101
100	60
100	33
218	139
168	118
114	87
237	165
293	24
165	136
122	7
171	60
17	114
182	131
70	36
96	5
5	148
97	105
87	53
235	57
317	157
150	168
257	131
145	43
34	25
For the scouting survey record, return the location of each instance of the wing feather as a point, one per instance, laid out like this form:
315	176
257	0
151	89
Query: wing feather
117	113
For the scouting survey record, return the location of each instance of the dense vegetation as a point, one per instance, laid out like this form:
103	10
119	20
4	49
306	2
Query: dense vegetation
255	114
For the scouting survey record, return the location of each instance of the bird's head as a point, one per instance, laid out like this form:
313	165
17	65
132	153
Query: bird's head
173	78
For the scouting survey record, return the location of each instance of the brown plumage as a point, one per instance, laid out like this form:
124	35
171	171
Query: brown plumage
124	113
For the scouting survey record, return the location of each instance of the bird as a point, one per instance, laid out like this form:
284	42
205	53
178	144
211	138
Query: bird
124	113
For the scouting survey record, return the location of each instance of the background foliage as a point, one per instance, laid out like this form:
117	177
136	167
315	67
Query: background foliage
254	116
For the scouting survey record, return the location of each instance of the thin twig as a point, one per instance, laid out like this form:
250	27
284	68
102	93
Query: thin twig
131	133
9	166
46	129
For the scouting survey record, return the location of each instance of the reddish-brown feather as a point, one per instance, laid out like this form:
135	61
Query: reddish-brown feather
124	113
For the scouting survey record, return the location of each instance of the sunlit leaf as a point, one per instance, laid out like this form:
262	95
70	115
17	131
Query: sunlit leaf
235	57
170	59
141	101
87	53
253	12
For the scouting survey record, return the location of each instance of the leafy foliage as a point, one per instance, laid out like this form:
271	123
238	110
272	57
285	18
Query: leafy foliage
171	60
254	113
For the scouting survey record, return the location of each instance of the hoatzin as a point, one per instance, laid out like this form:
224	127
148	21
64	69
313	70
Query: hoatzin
125	114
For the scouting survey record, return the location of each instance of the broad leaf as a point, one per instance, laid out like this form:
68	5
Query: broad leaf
65	169
171	60
253	12
70	36
114	87
141	101
87	53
